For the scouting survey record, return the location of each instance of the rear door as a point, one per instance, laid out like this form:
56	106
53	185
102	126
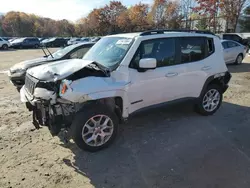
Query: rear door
195	66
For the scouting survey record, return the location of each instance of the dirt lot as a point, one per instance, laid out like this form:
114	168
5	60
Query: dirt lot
168	147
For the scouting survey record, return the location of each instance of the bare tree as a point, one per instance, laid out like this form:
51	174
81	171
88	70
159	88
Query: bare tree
186	10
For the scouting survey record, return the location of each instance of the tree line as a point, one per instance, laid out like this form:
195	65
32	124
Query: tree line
116	18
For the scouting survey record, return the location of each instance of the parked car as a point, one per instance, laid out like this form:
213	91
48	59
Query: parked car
95	39
73	41
121	75
55	42
85	39
4	44
234	52
78	40
28	42
42	39
238	37
18	71
12	39
6	38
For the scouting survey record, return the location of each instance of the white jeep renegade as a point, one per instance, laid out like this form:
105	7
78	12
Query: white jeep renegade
122	74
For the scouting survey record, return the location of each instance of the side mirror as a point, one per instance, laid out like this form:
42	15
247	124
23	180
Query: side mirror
147	63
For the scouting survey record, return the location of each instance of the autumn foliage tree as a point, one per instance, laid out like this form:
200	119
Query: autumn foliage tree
209	9
114	17
230	10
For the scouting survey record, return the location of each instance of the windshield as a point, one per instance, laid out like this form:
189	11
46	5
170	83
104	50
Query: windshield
62	52
109	51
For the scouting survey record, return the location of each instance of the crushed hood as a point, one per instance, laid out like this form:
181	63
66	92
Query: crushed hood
29	63
58	70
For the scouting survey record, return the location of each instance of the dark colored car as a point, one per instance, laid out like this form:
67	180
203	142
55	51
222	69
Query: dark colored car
28	42
54	42
18	71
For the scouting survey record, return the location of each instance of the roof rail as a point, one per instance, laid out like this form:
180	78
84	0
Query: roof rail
162	31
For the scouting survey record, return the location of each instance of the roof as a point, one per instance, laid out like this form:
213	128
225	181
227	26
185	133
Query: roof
164	32
126	35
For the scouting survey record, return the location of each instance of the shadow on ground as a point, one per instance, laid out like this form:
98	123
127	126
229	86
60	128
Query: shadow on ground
173	147
244	67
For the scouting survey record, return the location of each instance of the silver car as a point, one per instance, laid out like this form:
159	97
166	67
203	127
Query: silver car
234	52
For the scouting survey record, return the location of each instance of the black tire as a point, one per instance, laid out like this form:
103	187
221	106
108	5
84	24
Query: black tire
5	47
36	46
82	117
199	107
239	59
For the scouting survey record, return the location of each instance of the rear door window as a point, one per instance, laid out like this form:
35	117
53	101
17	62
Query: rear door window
192	49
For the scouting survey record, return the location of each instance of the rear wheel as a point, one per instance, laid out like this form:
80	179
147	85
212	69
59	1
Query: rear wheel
239	59
36	46
5	47
95	128
210	101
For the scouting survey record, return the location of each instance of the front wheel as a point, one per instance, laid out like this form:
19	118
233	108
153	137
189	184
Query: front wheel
94	128
5	47
210	101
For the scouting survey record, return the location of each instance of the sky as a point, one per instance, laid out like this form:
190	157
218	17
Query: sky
59	9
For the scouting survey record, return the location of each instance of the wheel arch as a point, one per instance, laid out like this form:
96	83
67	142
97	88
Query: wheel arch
220	79
116	100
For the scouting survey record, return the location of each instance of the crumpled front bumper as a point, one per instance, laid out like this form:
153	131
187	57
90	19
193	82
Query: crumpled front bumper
39	95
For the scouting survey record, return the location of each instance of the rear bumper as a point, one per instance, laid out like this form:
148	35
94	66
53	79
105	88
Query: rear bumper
226	80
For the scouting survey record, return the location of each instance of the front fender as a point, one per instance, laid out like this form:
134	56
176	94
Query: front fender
100	95
94	88
111	94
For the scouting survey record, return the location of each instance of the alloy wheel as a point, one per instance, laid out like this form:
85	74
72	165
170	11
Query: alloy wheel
97	130
211	100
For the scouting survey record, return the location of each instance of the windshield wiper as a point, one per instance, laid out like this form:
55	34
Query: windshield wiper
102	67
46	55
97	66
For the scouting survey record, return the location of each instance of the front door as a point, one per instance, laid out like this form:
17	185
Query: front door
148	87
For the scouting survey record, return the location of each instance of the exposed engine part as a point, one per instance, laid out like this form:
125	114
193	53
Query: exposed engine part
86	72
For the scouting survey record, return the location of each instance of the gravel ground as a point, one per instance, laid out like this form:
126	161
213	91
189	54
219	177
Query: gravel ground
171	147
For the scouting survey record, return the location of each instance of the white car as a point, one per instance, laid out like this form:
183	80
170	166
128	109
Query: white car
4	44
121	75
234	52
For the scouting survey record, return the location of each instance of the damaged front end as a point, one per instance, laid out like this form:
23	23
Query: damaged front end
50	100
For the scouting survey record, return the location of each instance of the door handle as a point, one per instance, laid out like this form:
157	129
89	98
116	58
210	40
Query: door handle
171	74
206	68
